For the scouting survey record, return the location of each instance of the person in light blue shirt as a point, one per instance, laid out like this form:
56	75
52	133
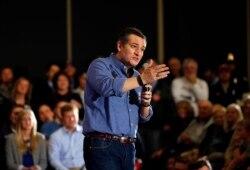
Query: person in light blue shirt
65	145
117	97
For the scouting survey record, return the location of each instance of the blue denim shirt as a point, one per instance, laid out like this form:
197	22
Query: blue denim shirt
107	107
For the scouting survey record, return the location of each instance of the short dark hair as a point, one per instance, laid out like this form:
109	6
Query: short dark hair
66	108
123	35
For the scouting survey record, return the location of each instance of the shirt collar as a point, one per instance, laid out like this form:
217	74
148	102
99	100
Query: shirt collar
77	129
118	63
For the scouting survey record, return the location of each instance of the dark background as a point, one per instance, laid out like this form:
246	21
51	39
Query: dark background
33	33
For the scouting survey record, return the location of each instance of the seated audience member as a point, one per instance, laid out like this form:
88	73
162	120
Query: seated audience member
241	152
246	106
174	65
6	81
225	91
237	77
194	133
216	137
11	125
233	115
190	87
63	91
216	141
10	128
185	114
26	148
21	92
45	114
66	144
49	127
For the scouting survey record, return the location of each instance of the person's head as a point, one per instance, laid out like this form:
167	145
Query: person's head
170	163
7	75
233	114
130	46
185	109
82	80
14	112
219	115
190	67
205	109
61	81
26	121
57	110
70	70
22	86
224	73
52	69
70	116
174	65
45	113
242	131
246	107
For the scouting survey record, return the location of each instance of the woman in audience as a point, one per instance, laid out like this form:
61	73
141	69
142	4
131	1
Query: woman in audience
185	114
233	115
64	92
21	92
26	148
241	151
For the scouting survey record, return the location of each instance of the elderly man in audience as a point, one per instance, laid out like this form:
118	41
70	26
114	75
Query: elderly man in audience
190	87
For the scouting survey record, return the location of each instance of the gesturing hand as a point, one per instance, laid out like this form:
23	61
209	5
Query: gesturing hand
154	72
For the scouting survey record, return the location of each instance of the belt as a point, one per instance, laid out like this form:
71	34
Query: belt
75	168
120	139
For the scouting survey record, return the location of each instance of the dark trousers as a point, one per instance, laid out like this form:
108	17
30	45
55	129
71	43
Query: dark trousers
102	154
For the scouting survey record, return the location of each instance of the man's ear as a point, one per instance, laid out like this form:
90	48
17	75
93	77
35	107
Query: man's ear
119	45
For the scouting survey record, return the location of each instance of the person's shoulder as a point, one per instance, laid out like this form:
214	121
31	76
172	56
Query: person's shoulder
57	133
40	135
100	59
178	80
10	136
201	80
50	124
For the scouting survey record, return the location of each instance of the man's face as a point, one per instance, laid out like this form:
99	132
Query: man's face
14	114
190	69
70	120
131	53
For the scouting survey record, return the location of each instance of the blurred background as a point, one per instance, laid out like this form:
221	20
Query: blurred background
34	33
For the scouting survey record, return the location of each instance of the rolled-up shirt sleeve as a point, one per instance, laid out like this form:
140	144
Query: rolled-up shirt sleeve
104	80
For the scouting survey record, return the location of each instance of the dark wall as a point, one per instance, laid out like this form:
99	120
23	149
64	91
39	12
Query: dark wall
33	33
96	26
207	31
